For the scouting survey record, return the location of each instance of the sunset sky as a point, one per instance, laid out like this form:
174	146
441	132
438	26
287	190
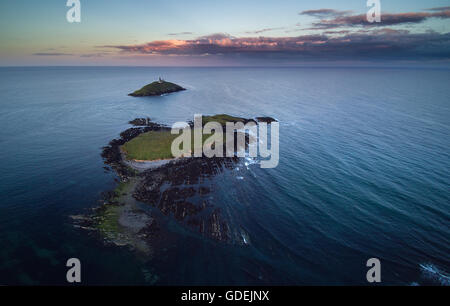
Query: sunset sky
223	33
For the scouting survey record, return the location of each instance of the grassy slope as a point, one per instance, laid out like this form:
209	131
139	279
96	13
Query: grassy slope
153	146
150	146
221	119
109	221
156	145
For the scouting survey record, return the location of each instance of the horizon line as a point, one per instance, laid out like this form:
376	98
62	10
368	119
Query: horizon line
430	66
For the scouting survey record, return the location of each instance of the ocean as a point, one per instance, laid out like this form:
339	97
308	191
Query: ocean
364	172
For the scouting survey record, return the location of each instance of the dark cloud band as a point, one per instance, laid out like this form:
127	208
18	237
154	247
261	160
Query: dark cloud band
383	44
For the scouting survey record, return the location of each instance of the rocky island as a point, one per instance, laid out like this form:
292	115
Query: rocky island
157	88
177	188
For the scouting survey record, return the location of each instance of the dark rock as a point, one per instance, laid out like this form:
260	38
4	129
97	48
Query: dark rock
141	122
266	119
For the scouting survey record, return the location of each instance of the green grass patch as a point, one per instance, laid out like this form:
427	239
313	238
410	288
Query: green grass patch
109	221
152	145
122	188
156	145
222	119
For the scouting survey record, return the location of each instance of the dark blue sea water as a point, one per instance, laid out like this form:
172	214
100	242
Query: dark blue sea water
364	172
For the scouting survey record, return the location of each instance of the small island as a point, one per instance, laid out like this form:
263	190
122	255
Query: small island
157	88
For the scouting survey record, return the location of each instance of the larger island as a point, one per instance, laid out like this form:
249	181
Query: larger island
179	188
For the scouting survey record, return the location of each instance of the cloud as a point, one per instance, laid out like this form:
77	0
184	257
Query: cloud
99	54
220	44
386	20
52	54
343	36
376	44
180	33
321	13
337	32
265	30
389	31
442	8
216	36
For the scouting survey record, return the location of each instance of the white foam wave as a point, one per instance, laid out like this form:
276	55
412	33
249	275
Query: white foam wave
434	273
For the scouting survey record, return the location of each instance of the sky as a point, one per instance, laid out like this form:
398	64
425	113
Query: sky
224	33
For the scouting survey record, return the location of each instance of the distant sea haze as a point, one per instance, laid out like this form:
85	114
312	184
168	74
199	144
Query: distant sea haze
363	173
